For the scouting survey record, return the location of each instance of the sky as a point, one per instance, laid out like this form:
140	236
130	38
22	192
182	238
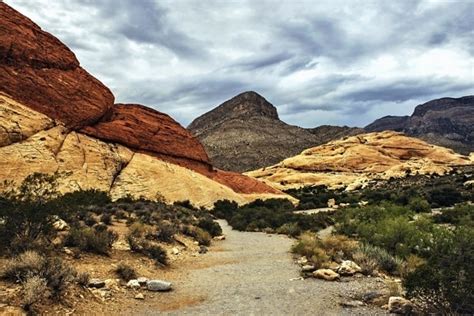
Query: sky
319	62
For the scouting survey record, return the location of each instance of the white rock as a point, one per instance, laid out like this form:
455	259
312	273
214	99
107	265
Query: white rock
158	285
133	284
348	267
399	305
326	274
175	251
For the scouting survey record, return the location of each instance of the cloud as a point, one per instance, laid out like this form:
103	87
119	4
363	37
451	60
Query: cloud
320	62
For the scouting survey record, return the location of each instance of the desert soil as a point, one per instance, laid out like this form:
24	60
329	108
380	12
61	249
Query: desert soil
254	274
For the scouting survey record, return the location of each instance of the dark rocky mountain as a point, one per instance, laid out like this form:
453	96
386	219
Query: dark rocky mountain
245	133
446	122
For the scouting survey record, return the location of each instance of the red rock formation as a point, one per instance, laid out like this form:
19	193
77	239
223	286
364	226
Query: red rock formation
144	129
38	70
41	73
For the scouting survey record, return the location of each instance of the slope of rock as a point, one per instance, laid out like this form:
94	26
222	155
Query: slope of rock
245	133
55	117
446	122
354	161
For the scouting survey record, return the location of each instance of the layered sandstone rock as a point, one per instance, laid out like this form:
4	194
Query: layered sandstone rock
352	162
55	117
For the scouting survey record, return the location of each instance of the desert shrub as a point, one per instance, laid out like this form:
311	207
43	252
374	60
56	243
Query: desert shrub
445	284
35	289
27	214
224	208
90	220
445	196
57	274
309	245
165	232
187	204
366	263
384	260
149	249
91	240
419	205
83	278
462	214
138	229
389	227
210	226
272	213
106	218
85	197
17	268
290	229
125	272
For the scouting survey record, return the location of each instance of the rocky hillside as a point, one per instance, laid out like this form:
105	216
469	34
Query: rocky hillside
245	133
446	122
354	161
56	117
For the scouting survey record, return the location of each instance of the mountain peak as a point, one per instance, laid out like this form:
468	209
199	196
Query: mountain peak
243	106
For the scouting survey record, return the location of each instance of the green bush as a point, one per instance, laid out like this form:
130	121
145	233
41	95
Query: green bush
445	284
165	232
106	218
419	205
460	215
382	258
28	213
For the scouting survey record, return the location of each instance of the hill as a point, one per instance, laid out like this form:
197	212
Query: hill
245	133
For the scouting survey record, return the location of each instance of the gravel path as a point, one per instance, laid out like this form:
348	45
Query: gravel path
254	274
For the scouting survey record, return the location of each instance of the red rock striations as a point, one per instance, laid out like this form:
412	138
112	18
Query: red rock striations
40	71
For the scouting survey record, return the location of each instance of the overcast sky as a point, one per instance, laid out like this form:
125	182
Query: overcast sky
319	62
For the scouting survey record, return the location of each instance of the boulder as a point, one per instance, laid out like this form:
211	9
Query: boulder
399	305
348	268
326	274
158	285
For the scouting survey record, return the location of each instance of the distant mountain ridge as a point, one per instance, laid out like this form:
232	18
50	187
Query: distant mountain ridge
245	133
445	122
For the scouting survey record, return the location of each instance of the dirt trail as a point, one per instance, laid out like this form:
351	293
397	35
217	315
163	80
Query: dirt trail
254	274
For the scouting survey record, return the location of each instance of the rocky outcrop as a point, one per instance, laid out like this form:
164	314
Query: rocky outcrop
39	71
446	122
245	133
144	129
354	161
55	117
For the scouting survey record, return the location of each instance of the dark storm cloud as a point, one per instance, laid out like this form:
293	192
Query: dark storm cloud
320	62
